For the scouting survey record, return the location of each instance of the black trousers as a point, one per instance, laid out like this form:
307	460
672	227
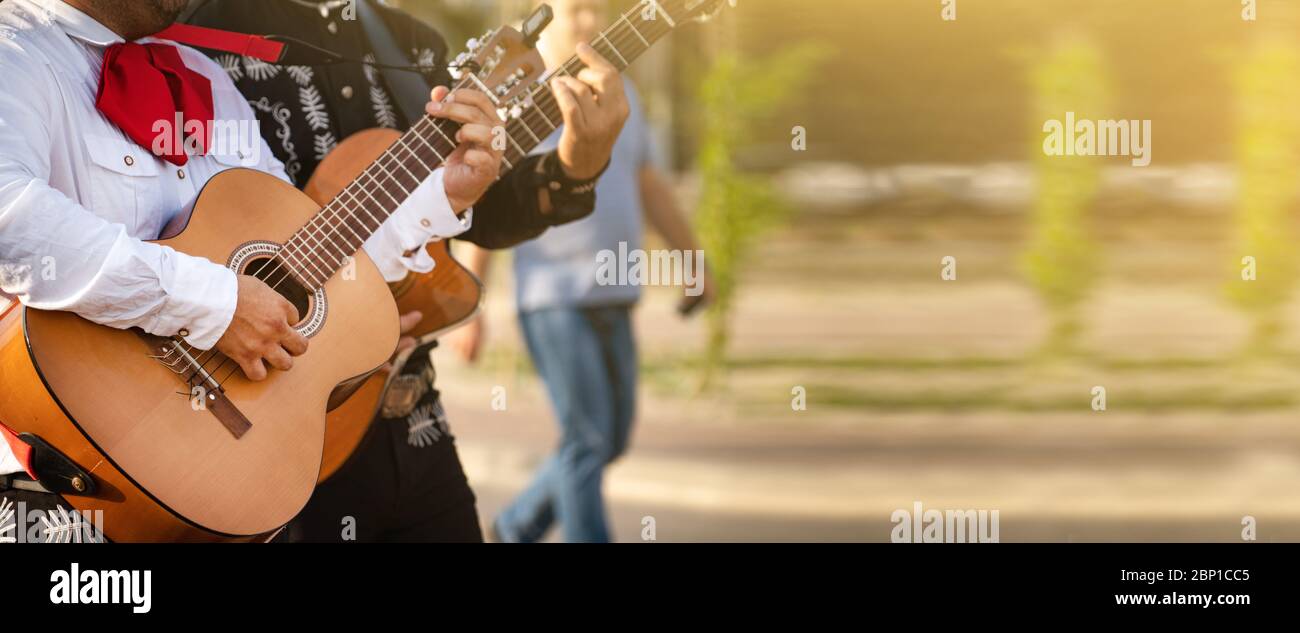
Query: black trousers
404	484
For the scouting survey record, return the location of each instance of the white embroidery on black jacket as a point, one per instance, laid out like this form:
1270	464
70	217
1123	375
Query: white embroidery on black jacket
313	107
385	115
259	70
280	115
324	144
301	74
232	65
426	425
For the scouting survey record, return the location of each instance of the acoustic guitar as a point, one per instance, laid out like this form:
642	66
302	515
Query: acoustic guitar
450	295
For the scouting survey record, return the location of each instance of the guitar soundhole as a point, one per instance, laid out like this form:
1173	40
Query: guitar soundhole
274	275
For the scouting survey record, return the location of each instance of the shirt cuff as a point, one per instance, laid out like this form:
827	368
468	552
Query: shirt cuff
397	248
201	299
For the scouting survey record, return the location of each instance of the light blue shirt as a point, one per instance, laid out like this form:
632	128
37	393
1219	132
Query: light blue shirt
559	268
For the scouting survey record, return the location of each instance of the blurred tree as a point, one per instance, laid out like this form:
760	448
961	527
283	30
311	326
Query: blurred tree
736	207
1268	128
1060	259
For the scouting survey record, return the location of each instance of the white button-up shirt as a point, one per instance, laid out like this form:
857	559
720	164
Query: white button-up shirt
78	197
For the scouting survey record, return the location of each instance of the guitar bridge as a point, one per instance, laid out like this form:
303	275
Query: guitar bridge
181	362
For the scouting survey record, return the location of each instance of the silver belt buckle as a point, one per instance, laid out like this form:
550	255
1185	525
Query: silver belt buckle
403	394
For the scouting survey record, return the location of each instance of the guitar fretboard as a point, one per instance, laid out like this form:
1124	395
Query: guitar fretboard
338	231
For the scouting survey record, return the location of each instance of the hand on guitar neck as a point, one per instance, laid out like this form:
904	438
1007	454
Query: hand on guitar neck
594	109
475	165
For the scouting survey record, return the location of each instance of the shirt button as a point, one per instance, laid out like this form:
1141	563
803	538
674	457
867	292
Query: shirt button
128	160
180	173
332	28
425	223
183	333
347	92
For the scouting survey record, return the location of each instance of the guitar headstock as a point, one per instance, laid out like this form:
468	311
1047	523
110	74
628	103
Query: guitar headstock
503	63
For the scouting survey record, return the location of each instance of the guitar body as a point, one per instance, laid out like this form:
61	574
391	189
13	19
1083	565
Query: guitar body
447	296
167	466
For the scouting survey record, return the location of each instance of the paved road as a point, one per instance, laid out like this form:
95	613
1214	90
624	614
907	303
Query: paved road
1058	478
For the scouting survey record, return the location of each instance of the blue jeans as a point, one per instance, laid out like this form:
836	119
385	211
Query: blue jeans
587	358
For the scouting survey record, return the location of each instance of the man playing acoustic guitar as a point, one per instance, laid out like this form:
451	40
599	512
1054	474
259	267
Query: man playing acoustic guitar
83	184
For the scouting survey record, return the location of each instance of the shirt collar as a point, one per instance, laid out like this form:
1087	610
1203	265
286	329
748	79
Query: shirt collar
78	24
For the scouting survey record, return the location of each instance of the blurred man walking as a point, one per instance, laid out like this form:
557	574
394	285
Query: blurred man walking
577	328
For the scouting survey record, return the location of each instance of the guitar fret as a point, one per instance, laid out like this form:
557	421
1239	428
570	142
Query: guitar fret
394	179
478	83
343	219
352	204
519	147
441	158
374	200
402	164
326	262
312	234
414	150
315	273
342	222
315	235
660	10
286	256
524	122
444	136
615	50
635	30
542	111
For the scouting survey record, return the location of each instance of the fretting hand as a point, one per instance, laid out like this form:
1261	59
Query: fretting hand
474	165
594	108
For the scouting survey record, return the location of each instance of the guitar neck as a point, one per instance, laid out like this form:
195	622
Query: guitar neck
621	44
338	231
